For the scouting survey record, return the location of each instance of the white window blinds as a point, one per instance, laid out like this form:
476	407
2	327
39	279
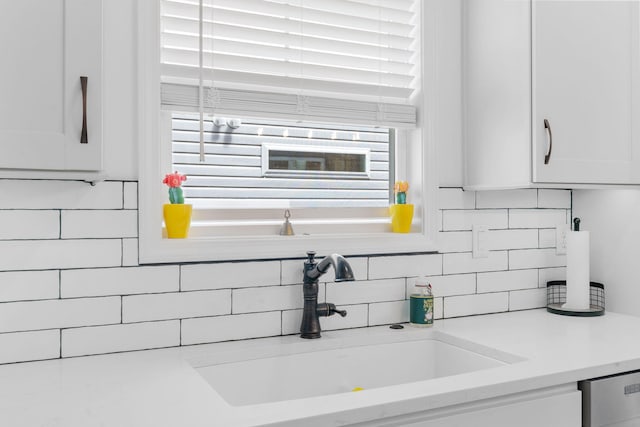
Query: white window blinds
342	60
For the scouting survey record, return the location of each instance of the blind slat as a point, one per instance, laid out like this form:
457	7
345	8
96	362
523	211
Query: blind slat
284	25
182	49
283	68
342	49
355	20
222	31
282	105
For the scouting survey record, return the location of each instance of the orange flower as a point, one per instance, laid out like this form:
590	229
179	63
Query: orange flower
401	187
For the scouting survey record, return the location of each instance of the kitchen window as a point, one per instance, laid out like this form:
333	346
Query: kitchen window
310	106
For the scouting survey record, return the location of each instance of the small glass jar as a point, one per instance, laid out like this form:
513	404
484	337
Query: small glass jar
421	304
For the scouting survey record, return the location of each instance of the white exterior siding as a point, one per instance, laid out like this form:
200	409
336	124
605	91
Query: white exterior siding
233	172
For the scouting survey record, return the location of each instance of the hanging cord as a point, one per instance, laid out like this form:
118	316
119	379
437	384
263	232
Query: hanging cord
200	75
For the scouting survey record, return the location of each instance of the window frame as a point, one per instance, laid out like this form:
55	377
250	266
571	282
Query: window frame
418	160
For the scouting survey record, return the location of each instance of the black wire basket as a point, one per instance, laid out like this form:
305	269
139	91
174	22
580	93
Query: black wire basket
557	296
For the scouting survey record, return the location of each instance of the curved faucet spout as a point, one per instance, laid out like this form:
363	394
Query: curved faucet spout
340	265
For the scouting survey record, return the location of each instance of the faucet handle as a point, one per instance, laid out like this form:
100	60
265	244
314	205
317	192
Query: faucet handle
311	255
327	309
342	313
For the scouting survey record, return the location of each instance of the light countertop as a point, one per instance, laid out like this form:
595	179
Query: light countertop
159	388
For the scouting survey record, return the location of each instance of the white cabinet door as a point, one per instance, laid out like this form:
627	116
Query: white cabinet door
47	45
585	86
559	406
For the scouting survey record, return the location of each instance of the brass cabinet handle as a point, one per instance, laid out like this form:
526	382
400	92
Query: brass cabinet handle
83	137
547	156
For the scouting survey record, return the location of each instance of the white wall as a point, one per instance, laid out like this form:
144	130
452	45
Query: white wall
612	217
120	109
448	118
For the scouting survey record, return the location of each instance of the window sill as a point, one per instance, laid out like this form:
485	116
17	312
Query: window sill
162	250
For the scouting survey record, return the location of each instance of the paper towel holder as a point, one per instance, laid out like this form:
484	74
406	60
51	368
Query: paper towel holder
557	296
576	224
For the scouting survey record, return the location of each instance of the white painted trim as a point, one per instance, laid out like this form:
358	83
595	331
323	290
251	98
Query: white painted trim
267	148
420	156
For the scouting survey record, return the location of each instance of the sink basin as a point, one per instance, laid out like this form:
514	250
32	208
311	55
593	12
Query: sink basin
366	365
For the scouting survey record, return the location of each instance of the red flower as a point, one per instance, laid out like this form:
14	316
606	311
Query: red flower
174	179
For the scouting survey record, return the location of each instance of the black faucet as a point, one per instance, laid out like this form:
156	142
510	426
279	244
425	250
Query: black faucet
310	326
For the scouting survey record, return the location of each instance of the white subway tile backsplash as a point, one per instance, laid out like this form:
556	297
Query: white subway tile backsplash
535	258
384	313
385	267
55	254
29	224
525	198
507	280
228	275
555	199
29	285
537	218
118	281
292	270
548	274
177	305
366	291
234	327
51	194
467	305
512	239
527	299
96	224
443	286
291	320
546	238
438	308
27	346
458	220
130	196
115	338
69	273
268	298
129	252
53	314
456	198
454	241
465	263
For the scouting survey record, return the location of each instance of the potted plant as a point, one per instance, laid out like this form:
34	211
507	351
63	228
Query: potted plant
401	212
177	214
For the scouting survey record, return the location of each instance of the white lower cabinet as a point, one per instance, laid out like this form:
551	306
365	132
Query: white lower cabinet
554	407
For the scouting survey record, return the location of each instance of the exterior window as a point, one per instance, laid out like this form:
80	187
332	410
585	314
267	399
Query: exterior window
314	161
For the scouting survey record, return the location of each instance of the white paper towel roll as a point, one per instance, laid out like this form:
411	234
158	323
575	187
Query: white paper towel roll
577	271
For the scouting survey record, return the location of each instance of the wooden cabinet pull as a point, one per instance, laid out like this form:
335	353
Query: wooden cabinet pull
83	137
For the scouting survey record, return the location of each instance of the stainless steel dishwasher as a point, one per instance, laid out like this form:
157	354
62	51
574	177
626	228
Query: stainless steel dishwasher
612	401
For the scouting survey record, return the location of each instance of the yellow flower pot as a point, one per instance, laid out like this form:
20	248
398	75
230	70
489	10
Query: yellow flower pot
177	219
401	218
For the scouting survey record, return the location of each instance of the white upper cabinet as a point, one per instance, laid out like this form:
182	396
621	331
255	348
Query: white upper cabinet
47	45
551	91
